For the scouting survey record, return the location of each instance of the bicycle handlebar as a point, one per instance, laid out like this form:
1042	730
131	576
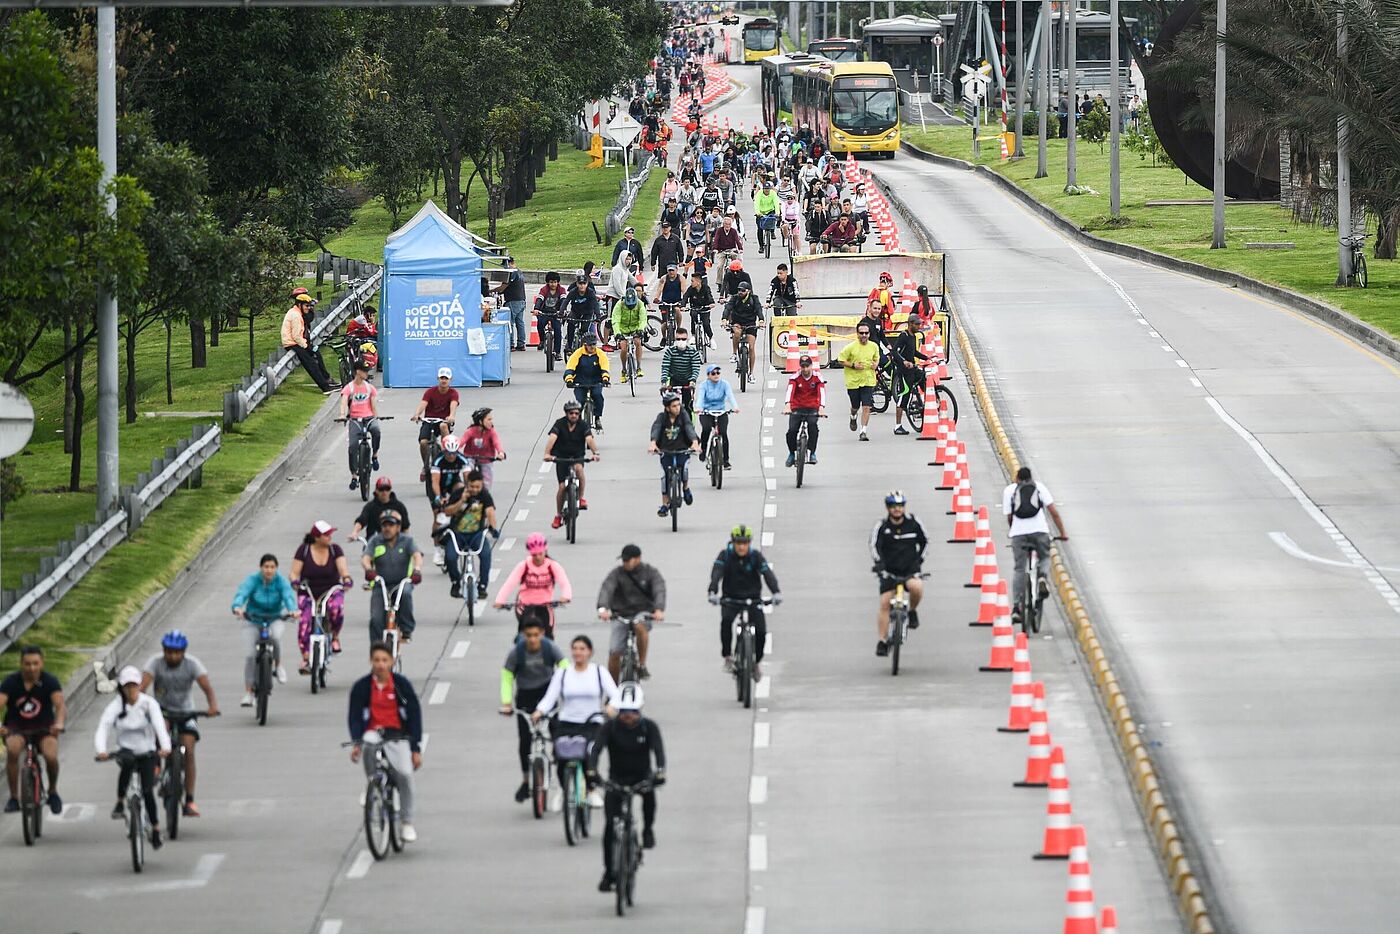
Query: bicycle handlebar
571	460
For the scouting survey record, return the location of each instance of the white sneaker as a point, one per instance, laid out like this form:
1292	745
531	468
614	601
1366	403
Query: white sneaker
439	556
408	834
247	700
281	674
595	798
556	800
864	435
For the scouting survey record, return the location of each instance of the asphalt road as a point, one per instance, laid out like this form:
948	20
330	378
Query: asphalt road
1224	467
847	800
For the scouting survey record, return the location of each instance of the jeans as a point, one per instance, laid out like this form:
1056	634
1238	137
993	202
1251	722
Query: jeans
1021	547
145	766
335	618
612	807
718	423
378	615
670	462
581	393
400	758
251	630
356	430
517	322
795	420
472	541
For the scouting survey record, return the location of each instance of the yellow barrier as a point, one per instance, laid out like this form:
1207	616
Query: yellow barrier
595	152
827	329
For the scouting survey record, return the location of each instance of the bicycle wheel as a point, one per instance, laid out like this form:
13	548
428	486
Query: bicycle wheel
800	456
629	370
947	393
914	408
622	867
172	789
1360	262
539	787
628	669
469	595
743	366
362	470
880	399
585	813
570	811
896	640
571	513
135	830
634	862
749	662
716	461
391	812
548	351
264	686
315	664
677	497
376	819
30	804
652	336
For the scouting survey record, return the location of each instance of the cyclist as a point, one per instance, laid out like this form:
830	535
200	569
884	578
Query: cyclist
172	674
765	209
715	403
265	596
470	512
384	710
383	500
34	704
680	368
727	238
140	732
581	309
579	694
673	437
897	547
569	438
631	742
621	277
631	588
393	556
587	373
525	677
734	274
806	402
549	303
440	402
739	573
532	584
1024	503
360	399
840	235
447	470
700	300
906	365
320	564
782	292
744	313
861	359
669	294
481	445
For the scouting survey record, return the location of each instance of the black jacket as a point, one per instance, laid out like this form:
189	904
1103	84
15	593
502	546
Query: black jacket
744	314
410	714
369	516
900	548
633	246
630	750
742	578
667	251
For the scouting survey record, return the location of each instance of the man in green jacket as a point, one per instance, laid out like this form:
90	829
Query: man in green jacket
629	320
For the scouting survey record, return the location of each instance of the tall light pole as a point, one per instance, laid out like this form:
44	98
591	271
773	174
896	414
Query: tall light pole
1020	80
108	460
1115	92
1042	87
1072	57
1344	270
1217	237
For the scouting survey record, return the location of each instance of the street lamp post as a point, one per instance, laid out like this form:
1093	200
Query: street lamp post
1114	105
107	450
1217	237
1344	270
1020	80
1042	87
1072	57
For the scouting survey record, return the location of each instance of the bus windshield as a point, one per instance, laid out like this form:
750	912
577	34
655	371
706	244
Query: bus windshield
761	39
864	106
836	51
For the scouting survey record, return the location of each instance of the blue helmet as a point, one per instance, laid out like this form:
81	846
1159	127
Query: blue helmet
175	639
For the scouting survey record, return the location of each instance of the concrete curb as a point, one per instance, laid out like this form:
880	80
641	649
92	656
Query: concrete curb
1147	784
1330	315
79	688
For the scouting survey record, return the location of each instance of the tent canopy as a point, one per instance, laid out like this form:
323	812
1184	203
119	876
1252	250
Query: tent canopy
431	243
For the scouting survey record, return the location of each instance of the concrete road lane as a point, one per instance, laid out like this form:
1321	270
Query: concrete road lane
1222	463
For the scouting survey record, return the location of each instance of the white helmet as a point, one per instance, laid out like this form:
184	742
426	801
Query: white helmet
631	697
129	675
451	444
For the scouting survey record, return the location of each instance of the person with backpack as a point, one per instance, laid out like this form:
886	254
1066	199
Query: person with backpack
585	695
1024	503
525	677
632	587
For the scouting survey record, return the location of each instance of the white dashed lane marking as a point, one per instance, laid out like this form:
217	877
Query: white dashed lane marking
360	867
758	789
762	733
460	649
439	692
758	852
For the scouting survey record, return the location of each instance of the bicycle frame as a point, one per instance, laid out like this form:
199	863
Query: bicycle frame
541	761
381	785
319	645
391	613
31	791
744	646
630	659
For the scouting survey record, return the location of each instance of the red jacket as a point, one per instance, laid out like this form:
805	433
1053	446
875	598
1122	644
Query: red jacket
806	392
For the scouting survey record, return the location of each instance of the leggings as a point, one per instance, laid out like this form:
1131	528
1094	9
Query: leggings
335	618
526	700
146	767
718	423
356	429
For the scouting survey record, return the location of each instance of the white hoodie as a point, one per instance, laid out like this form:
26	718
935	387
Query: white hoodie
138	730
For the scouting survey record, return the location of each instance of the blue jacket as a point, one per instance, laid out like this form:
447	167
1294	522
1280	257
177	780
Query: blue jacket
715	397
410	714
262	600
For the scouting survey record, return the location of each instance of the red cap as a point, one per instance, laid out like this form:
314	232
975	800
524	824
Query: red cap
383	483
322	527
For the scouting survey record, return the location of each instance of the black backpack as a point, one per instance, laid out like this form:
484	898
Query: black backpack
1025	500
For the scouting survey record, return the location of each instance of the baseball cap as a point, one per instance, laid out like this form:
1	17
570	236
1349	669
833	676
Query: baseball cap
322	527
804	360
714	368
129	675
629	552
629	229
444	371
383	483
671	266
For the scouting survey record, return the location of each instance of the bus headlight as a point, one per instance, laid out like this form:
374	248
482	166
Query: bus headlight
892	134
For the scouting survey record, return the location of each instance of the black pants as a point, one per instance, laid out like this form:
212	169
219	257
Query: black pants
795	420
526	700
545	325
718	423
726	629
314	366
612	807
146	766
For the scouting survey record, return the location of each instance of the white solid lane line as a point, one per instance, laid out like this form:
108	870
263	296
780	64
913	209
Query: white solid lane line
758	789
755	919
762	732
460	649
439	692
360	867
758	852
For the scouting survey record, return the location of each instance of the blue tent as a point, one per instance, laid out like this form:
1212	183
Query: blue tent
432	305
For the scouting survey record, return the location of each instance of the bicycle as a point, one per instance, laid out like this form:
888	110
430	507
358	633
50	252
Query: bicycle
263	660
789	232
630	659
589	415
138	824
1356	243
742	369
319	645
669	322
541	762
653	338
803	450
392	637
675	482
714	454
699	329
469	568
434	452
364	451
572	751
171	789
1031	603
899	617
547	344
31	786
571	496
745	649
381	808
629	369
911	399
627	845
766	224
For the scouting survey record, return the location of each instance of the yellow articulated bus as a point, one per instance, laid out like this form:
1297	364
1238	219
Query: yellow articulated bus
851	106
760	39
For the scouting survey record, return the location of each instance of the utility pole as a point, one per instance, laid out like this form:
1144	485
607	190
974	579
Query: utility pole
1344	270
1217	237
1020	80
1072	56
1042	87
811	20
1114	104
108	458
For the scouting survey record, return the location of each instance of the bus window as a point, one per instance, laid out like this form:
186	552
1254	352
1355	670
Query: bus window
761	39
864	106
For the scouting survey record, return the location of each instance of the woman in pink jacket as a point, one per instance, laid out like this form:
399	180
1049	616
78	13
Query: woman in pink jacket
537	577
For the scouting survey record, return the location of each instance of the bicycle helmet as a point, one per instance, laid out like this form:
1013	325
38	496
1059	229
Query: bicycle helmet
480	415
741	533
129	675
895	498
384	483
390	518
451	444
668	397
175	639
736	265
536	544
631	698
572	406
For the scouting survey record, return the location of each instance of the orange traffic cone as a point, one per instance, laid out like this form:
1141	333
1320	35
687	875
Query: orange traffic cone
948	450
987	607
1038	753
1109	924
1002	657
950	468
794	351
984	526
932	421
965	526
1018	719
1079	899
945	423
964	486
1059	835
984	562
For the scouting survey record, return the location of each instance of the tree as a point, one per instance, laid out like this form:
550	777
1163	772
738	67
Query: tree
1093	127
261	277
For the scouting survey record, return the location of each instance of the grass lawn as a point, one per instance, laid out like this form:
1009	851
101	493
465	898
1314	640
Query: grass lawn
1185	231
553	231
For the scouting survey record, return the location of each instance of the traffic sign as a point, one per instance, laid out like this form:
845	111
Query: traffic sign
16	420
623	130
938	39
